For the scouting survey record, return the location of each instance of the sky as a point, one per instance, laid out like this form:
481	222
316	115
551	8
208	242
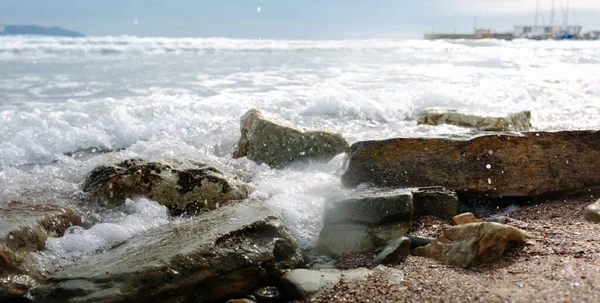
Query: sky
293	19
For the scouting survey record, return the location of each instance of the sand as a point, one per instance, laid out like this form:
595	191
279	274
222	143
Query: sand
559	263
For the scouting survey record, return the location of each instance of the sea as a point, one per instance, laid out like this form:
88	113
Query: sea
68	105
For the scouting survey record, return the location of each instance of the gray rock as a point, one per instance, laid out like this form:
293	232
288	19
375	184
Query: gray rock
178	184
435	201
267	138
472	243
307	284
519	121
395	252
218	255
592	212
416	241
365	219
371	207
342	239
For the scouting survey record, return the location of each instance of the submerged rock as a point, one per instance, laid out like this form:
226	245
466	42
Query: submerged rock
365	219
305	284
592	212
267	138
519	121
180	185
487	166
472	244
226	253
24	228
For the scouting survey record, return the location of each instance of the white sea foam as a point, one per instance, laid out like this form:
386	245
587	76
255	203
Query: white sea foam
136	216
65	102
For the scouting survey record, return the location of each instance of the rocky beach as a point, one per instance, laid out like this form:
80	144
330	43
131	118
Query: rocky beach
298	181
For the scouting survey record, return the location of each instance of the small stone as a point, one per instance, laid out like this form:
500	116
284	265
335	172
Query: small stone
395	252
592	212
464	218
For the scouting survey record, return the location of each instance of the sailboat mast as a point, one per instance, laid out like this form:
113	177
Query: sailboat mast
567	12
552	14
537	12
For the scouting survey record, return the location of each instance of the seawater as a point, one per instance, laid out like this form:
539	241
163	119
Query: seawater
70	104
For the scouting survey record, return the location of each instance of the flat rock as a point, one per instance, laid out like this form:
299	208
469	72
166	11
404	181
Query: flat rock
472	244
178	184
305	284
519	121
491	166
267	138
365	219
592	212
222	254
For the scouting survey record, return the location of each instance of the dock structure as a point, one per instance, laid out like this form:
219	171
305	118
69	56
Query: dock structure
479	34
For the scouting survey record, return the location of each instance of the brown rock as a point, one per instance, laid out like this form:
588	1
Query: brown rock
491	166
472	244
267	138
592	212
464	218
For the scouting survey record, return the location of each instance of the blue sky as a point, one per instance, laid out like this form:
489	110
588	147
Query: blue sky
307	19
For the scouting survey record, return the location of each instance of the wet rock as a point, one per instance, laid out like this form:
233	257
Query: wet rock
416	241
472	244
395	252
268	294
307	284
464	218
267	138
365	219
435	201
222	254
24	228
240	301
519	121
180	185
592	212
489	166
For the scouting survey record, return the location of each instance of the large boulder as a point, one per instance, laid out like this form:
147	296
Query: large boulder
180	185
365	219
519	121
222	254
472	243
267	138
24	229
308	284
491	166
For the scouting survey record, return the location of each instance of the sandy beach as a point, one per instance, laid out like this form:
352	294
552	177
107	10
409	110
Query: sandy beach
559	263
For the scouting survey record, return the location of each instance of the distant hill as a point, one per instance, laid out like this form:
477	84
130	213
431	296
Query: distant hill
8	30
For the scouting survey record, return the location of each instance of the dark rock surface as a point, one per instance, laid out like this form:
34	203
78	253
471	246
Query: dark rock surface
180	185
222	254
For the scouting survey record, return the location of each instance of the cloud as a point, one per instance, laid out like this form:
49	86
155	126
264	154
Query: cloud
512	7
